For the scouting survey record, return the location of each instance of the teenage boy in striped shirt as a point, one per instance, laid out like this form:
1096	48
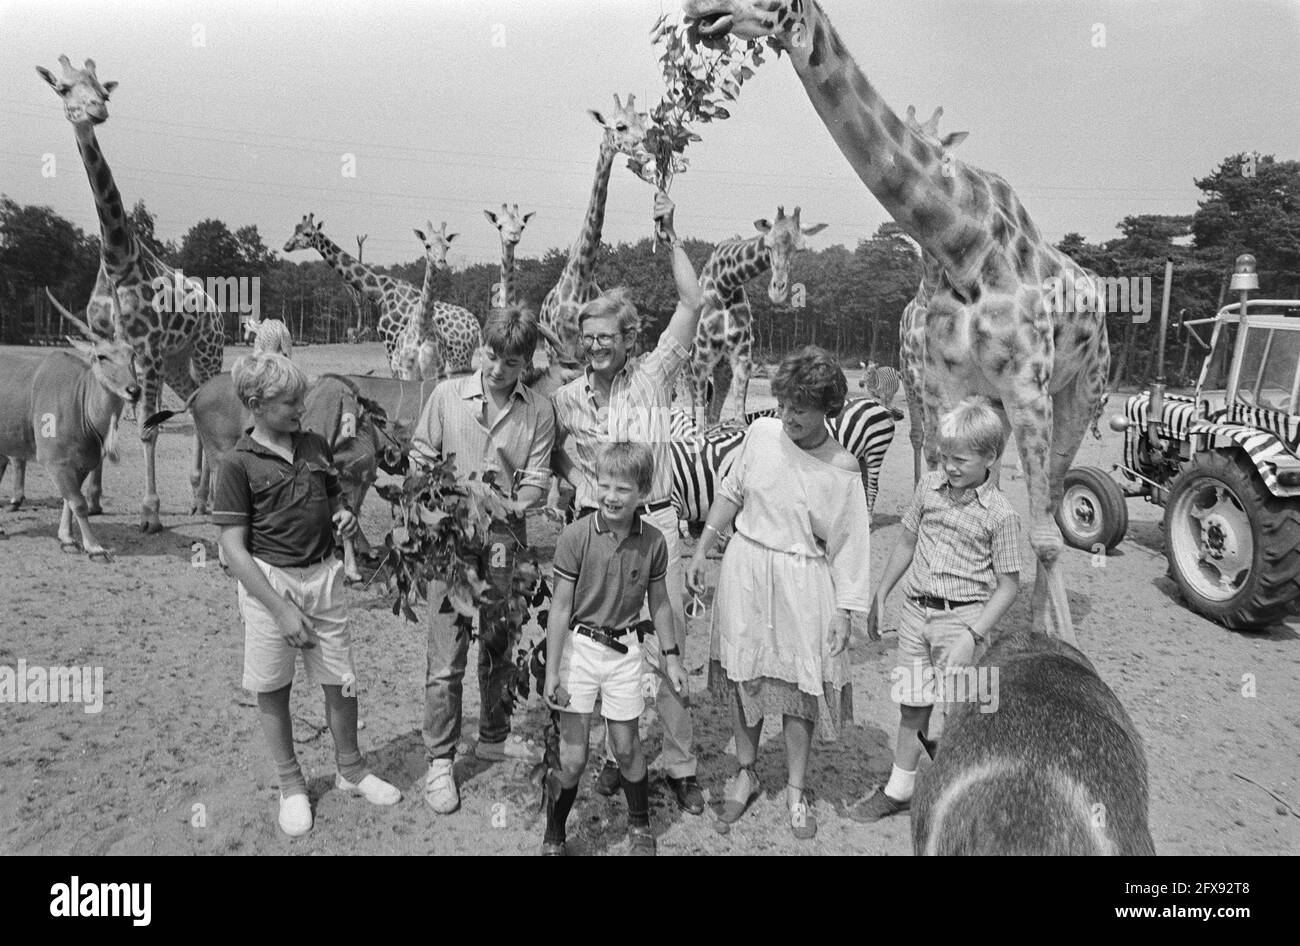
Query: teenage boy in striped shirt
490	421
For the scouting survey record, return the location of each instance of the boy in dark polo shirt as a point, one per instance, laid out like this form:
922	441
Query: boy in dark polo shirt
276	497
605	565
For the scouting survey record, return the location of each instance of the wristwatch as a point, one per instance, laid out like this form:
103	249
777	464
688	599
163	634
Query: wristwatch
673	651
978	639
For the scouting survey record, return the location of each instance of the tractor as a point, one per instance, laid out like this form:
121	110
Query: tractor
1223	462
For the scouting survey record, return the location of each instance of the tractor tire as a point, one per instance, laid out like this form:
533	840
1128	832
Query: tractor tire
1092	511
1233	547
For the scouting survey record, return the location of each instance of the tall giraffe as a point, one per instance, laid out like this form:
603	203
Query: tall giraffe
450	336
994	323
399	301
178	333
726	324
911	327
511	227
625	130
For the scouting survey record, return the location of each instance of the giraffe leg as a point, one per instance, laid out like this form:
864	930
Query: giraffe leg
200	479
916	429
1031	413
741	368
152	384
706	358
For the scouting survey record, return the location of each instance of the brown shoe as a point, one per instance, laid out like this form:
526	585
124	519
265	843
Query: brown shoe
739	793
876	805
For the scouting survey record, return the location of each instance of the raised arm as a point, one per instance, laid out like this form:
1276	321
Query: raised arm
689	298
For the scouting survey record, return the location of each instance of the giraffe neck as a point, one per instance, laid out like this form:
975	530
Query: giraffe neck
582	257
508	272
905	172
432	282
118	248
734	264
355	273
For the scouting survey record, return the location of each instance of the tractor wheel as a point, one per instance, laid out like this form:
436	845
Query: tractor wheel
1092	510
1233	548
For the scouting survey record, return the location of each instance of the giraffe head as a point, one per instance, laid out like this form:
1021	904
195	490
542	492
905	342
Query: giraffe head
625	127
85	99
930	130
509	222
436	243
746	19
783	239
304	234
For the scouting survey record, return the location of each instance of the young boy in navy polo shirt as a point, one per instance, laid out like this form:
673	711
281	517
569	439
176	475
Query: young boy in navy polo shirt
277	501
605	565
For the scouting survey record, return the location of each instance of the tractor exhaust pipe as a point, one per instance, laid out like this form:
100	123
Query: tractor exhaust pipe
1156	406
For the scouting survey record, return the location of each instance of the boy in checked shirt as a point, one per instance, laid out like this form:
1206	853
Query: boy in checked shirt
959	559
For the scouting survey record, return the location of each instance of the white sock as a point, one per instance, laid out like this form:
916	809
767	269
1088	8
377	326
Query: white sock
901	784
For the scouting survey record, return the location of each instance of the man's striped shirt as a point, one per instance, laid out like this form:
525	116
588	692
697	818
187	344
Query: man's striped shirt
640	401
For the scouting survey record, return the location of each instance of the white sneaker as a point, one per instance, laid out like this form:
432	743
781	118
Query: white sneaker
372	788
295	815
514	747
440	792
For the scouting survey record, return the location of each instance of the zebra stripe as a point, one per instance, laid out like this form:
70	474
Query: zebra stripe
864	428
881	382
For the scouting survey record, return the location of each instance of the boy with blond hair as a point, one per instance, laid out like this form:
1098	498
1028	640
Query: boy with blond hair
278	502
959	558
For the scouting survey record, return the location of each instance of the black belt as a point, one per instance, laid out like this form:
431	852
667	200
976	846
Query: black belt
609	636
940	604
649	507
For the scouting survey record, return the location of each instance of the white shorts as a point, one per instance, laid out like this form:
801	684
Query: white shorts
589	670
318	591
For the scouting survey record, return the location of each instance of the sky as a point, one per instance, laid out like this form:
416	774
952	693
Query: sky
247	112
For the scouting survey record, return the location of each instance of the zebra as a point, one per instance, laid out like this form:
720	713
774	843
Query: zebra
864	428
880	381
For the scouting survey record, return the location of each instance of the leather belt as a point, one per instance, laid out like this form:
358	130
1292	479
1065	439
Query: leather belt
609	636
940	604
649	507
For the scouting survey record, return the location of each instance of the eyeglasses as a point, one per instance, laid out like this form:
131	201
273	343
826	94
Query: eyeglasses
590	341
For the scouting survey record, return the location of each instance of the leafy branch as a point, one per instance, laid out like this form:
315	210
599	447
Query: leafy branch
460	532
700	73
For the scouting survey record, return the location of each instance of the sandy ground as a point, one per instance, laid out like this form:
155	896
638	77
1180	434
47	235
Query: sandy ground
175	762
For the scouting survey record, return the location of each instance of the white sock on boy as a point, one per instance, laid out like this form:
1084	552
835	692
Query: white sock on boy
901	784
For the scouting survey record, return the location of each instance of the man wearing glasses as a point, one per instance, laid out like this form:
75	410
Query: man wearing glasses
623	399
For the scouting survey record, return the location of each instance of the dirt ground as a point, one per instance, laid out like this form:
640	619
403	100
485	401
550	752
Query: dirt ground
175	762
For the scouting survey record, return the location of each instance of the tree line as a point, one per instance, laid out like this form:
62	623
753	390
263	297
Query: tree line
846	300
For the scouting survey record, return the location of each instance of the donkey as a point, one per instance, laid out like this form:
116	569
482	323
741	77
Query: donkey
1058	768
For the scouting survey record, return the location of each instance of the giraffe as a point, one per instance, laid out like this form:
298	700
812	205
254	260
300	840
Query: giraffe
511	227
625	131
725	321
911	327
177	331
399	301
450	336
994	322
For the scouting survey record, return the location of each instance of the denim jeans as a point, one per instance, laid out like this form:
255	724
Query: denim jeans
448	650
444	685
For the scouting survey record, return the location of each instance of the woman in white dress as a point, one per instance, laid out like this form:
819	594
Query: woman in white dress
790	577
